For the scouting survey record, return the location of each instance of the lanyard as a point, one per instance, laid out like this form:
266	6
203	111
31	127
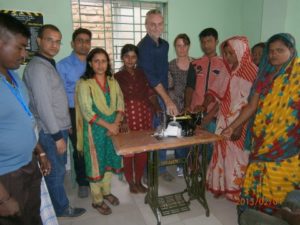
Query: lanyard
16	92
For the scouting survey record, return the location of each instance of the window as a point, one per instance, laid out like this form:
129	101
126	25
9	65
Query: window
114	23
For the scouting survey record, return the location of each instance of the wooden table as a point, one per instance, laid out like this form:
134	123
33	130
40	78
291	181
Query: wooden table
194	167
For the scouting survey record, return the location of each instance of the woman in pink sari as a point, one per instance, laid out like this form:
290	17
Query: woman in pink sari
229	160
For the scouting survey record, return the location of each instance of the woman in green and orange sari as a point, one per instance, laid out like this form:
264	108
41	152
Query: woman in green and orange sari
99	107
274	165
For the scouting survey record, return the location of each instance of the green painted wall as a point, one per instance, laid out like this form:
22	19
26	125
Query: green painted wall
57	12
257	19
189	16
274	16
281	16
252	20
292	21
192	16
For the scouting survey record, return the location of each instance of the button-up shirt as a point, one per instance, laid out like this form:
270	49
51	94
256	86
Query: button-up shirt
215	71
153	59
71	69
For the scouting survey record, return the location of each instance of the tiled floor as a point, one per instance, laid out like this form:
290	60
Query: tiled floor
133	211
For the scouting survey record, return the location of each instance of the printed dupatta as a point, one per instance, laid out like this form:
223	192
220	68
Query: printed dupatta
98	97
276	127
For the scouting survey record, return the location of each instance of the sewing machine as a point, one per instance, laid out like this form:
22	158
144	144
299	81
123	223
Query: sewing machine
179	126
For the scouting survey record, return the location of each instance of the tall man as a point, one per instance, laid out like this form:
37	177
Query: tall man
48	102
153	59
20	178
71	69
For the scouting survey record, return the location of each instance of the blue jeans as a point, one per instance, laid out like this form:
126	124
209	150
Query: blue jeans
211	127
162	154
181	153
55	180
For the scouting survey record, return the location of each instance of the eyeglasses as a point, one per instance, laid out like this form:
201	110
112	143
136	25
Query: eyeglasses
52	42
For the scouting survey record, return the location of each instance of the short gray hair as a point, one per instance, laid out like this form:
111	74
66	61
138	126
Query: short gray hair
152	12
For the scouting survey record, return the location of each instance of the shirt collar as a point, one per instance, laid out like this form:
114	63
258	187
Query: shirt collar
51	61
215	56
152	41
75	58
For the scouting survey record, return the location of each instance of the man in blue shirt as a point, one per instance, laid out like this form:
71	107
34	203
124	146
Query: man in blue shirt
20	177
71	69
153	59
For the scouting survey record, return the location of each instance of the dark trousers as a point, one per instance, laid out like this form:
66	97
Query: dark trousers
79	164
24	185
134	166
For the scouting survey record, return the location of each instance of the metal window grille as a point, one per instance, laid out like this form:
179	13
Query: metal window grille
114	23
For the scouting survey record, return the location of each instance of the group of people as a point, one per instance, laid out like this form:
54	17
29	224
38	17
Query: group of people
250	96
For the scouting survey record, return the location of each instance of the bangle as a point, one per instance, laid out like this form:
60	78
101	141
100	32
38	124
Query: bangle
3	201
42	154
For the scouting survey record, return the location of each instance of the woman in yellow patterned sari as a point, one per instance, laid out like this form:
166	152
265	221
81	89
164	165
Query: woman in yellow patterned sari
274	166
99	108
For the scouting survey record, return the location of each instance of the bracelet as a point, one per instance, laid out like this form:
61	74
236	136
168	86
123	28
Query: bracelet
42	154
3	201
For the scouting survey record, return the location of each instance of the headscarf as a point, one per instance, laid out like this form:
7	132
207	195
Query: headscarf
246	68
265	67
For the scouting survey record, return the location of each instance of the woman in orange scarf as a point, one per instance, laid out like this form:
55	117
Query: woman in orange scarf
229	160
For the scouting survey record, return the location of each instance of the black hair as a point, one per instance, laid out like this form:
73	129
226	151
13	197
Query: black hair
260	44
184	37
81	30
45	27
226	44
128	48
89	72
209	32
9	24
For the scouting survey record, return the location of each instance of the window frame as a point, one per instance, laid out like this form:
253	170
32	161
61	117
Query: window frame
109	14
